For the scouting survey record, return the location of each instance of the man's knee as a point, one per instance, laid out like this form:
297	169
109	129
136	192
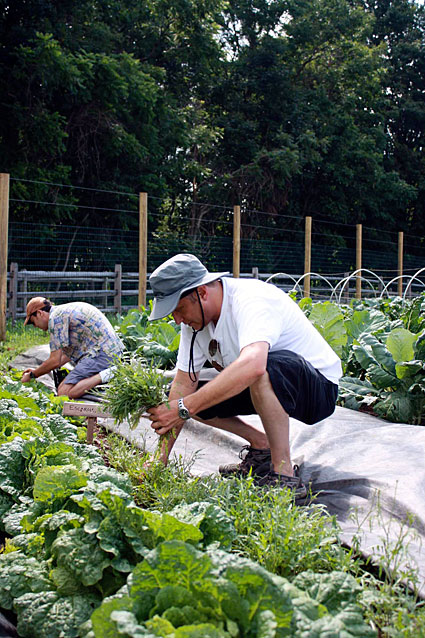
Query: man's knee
261	386
66	390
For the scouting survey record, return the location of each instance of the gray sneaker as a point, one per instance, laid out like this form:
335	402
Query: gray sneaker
293	483
258	461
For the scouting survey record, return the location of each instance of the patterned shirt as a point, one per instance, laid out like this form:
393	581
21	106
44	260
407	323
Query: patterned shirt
79	329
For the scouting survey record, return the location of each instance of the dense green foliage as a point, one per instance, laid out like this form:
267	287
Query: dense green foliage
156	341
286	106
74	534
89	554
381	343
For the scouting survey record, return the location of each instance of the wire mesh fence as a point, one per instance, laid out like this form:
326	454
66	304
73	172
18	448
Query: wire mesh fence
36	246
67	228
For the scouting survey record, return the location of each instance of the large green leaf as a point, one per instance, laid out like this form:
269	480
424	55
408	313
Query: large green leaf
58	482
47	614
102	623
376	361
213	522
379	351
81	554
171	562
365	321
408	369
348	623
21	574
398	407
377	375
329	321
12	468
400	344
332	590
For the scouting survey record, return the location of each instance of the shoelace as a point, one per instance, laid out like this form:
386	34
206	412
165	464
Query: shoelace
245	447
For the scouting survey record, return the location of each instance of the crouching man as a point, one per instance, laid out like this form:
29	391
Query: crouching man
272	362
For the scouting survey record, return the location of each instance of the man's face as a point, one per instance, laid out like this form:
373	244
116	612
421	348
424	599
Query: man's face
188	311
40	319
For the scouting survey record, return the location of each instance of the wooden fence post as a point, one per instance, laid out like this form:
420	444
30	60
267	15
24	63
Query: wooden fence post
236	241
143	247
4	230
358	261
307	256
400	264
13	291
25	289
118	289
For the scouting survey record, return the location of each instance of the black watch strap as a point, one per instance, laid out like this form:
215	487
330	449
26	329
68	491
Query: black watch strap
32	375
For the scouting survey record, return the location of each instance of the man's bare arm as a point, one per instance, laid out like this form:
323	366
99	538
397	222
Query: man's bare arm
247	368
53	362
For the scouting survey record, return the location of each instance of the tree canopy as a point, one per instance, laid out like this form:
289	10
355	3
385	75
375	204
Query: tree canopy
287	107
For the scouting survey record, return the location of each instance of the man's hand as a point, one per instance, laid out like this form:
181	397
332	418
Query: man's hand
165	417
26	376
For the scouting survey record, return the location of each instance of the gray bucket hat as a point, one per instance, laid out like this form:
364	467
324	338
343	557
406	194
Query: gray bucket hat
174	277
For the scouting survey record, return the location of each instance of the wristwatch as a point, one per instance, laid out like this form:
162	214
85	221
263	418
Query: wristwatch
32	375
183	411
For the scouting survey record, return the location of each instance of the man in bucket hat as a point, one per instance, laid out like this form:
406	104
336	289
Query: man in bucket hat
271	361
80	334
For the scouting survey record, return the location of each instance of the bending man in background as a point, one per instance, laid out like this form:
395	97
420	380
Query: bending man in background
79	334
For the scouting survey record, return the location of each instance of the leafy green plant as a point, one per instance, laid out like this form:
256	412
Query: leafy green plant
135	387
393	382
156	341
383	361
80	547
182	592
18	339
329	321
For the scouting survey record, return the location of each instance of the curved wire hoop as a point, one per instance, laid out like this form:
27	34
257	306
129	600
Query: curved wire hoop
284	274
343	282
412	278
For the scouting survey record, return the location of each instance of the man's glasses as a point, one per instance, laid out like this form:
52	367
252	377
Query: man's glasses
214	350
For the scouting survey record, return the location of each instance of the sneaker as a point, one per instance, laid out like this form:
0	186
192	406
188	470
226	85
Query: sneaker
258	461
293	483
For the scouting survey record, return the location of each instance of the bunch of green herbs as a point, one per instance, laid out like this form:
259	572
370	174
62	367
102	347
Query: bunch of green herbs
135	387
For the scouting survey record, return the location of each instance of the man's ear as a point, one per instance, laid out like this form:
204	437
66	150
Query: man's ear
203	291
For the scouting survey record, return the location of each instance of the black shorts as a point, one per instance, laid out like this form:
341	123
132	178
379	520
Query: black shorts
303	391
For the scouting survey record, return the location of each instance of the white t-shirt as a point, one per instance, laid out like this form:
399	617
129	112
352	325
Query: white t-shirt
254	311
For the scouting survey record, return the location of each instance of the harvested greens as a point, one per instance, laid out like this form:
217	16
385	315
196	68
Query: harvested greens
135	387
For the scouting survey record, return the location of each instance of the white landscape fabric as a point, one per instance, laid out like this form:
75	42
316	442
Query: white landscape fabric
371	475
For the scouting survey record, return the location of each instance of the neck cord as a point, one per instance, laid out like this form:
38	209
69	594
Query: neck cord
192	373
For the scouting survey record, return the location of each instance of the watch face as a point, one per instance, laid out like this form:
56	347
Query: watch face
183	411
